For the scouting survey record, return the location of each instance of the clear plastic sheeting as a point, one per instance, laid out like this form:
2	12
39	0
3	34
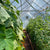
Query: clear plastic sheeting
31	8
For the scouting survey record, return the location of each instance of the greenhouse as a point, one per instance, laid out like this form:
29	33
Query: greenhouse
24	24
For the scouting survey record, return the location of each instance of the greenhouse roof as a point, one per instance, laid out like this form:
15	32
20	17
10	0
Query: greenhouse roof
31	8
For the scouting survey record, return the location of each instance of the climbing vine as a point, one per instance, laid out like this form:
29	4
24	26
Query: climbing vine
10	26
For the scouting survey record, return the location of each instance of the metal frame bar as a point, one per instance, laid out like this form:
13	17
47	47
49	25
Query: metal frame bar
21	4
38	11
47	2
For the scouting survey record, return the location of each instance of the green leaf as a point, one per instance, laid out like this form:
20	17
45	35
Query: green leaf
10	34
8	23
18	48
18	12
20	33
17	1
41	28
7	2
2	28
3	14
6	42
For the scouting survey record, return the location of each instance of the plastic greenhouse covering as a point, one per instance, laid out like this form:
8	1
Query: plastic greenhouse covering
31	8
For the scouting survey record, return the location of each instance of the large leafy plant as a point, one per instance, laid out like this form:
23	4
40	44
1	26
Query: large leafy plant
10	27
39	31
